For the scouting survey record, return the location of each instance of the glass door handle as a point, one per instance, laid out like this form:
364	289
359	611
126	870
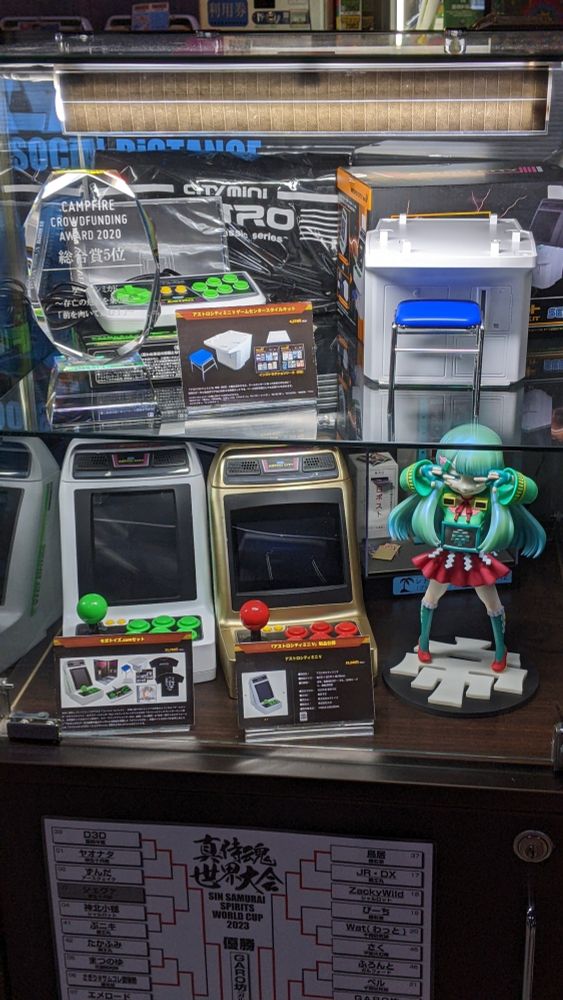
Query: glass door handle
529	950
533	847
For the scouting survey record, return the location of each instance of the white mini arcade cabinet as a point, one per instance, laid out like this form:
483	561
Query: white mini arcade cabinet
134	525
30	562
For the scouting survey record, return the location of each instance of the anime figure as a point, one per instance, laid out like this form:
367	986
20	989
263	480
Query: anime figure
466	506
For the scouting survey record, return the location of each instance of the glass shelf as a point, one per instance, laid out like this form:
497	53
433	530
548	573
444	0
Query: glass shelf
527	416
414	46
521	737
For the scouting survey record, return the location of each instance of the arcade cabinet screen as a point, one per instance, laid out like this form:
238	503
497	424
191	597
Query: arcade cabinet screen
135	546
9	506
263	689
287	547
547	225
80	677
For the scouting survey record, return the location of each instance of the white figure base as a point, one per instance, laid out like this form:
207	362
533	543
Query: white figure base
459	680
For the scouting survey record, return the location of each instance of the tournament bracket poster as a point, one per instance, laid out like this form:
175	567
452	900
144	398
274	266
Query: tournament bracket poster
167	912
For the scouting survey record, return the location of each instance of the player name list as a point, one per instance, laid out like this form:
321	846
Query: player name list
145	912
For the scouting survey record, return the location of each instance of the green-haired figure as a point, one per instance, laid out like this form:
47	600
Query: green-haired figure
467	506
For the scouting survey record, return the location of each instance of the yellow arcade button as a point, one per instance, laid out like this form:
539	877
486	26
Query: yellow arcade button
268	628
109	621
122	621
166	290
278	628
181	289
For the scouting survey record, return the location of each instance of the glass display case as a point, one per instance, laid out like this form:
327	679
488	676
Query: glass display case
231	176
191	131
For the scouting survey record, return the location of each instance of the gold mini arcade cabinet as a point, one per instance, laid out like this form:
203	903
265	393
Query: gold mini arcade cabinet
283	530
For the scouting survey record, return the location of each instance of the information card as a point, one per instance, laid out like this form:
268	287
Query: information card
313	687
124	682
156	912
247	357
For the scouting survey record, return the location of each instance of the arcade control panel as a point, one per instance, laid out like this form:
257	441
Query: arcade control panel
119	308
299	632
160	625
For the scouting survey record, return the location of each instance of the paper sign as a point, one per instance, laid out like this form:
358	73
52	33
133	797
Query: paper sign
124	682
247	357
165	912
324	683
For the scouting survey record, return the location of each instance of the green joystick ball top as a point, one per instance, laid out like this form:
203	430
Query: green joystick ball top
92	609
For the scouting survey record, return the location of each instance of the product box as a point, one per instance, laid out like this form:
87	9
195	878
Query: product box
280	212
348	15
256	15
382	491
529	193
547	13
463	13
545	358
546	309
150	16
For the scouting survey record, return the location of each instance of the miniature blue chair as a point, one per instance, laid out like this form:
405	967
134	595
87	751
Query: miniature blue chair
438	316
202	359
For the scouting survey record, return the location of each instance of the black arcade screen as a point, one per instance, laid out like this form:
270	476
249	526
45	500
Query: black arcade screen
134	546
80	677
287	547
9	506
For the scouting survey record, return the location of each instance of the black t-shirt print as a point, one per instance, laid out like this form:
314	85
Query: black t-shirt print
163	665
170	685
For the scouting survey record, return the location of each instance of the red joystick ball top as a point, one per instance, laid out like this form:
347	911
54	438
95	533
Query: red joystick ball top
254	615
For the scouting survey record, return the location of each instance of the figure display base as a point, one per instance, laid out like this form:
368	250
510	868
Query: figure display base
459	681
104	396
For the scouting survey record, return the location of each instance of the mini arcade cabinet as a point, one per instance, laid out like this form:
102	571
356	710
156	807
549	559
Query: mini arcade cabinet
485	260
78	683
283	530
134	524
30	562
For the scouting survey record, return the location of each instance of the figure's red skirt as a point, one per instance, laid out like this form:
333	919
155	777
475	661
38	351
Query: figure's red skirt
463	569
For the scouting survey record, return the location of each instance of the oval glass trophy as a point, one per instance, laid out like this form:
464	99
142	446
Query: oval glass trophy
94	287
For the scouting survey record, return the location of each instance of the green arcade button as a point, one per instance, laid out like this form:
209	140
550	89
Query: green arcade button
190	623
210	293
199	286
138	625
166	621
241	285
214	282
230	278
131	295
159	629
225	290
